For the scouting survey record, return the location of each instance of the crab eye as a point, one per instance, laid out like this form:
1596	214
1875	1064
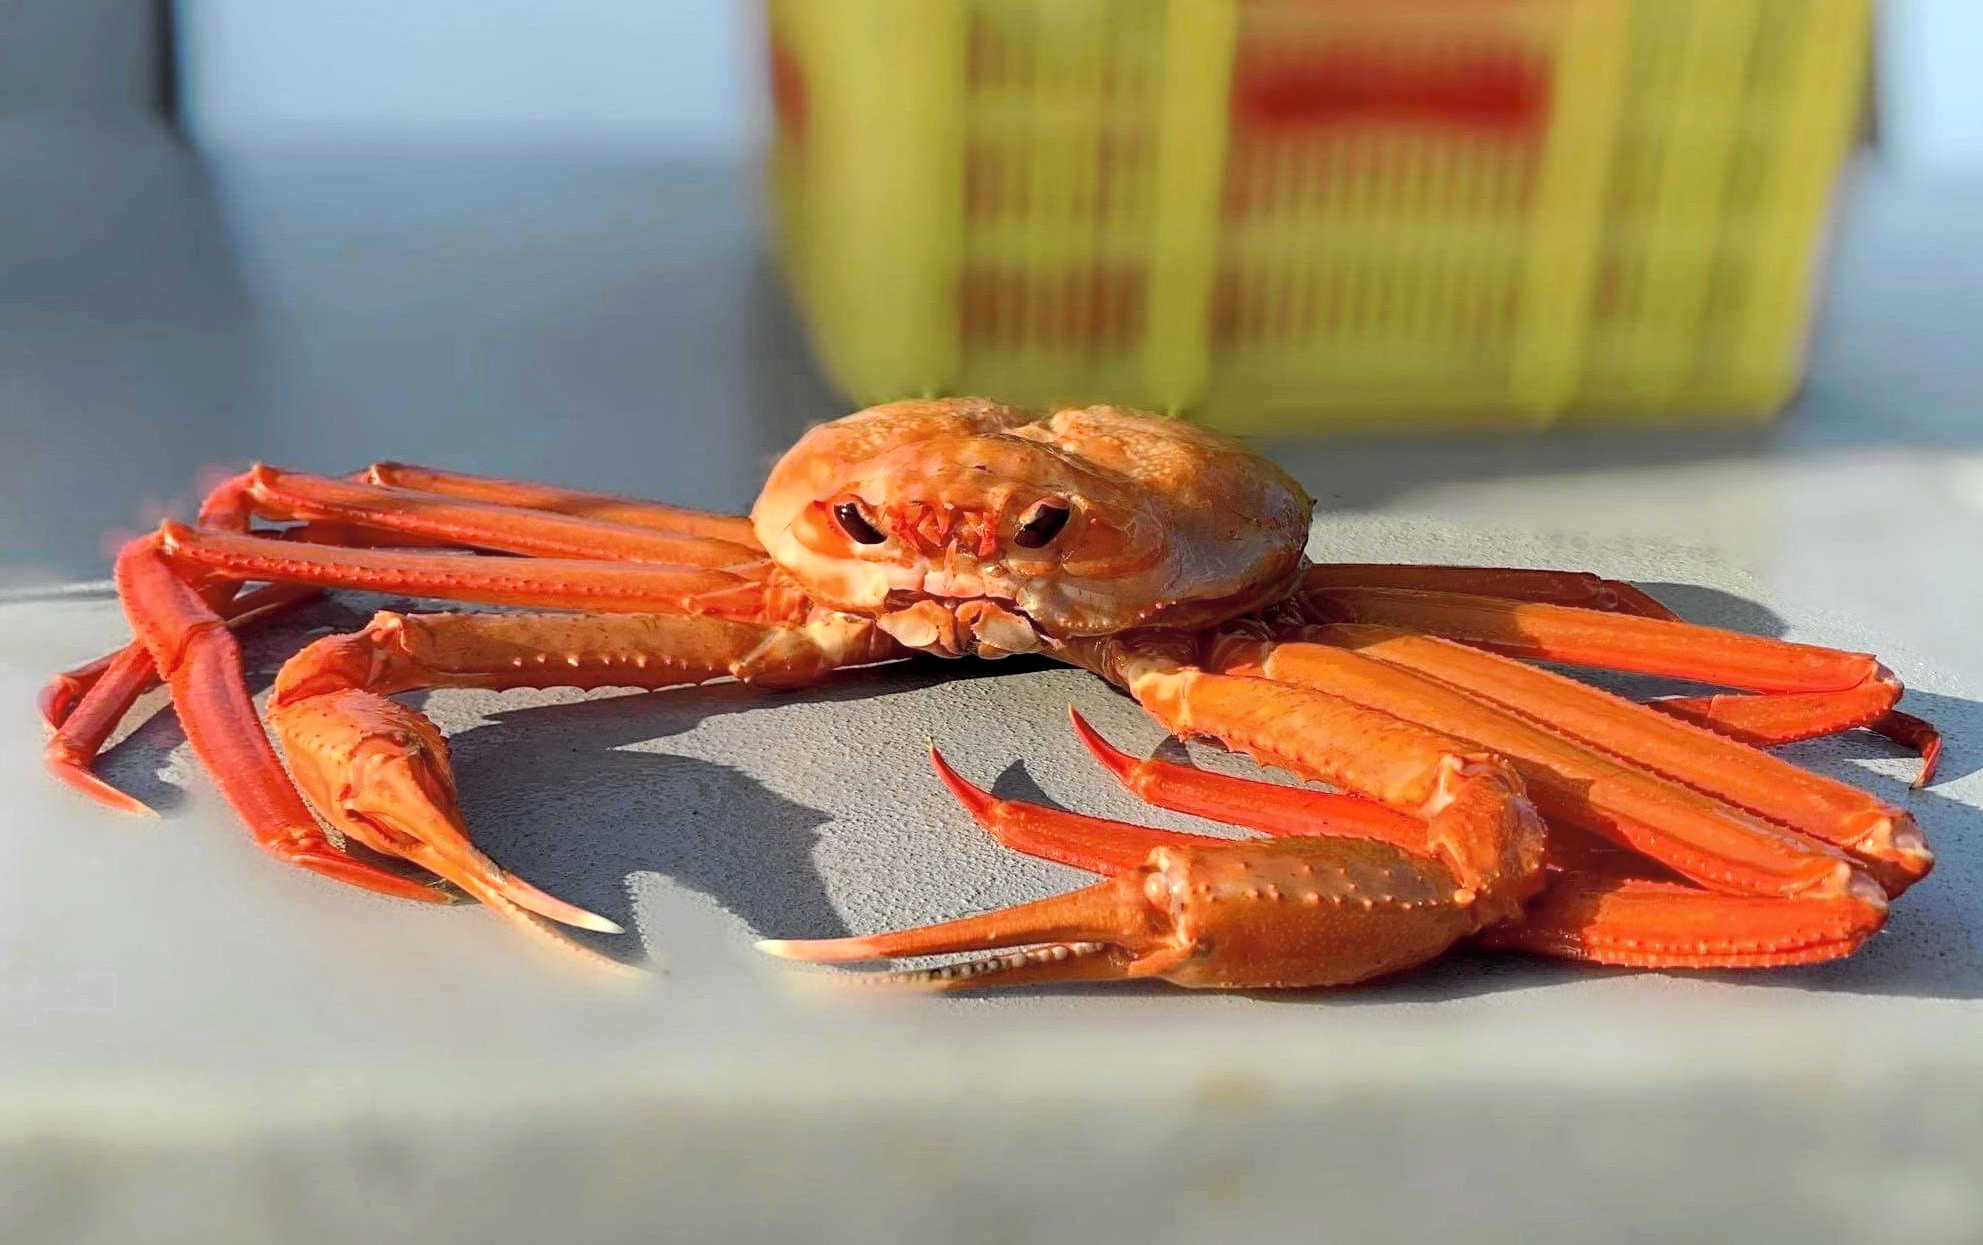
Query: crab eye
848	515
1041	524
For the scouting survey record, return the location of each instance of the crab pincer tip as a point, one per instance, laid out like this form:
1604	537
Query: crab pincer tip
975	799
1112	758
812	951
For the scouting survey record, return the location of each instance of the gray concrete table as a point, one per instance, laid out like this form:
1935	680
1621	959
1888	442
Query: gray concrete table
198	1044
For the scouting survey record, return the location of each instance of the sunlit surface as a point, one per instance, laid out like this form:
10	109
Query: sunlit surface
198	1043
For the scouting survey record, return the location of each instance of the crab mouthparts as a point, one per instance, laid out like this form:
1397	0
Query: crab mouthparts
977	626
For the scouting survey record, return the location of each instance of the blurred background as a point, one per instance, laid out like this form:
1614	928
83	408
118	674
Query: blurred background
639	246
1682	291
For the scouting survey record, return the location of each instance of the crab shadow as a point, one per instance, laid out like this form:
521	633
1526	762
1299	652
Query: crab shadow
573	797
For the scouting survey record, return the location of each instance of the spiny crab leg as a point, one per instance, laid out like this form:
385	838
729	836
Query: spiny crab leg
1812	691
499	524
284	495
379	771
1713	844
736	529
191	647
1880	836
553	583
1141	922
1643	923
198	657
1578	588
1293	911
121	679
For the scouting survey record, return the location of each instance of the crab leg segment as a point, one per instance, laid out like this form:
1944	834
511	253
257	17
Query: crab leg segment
1578	588
735	529
273	494
551	583
193	649
1712	843
1264	806
1882	837
1649	924
119	679
1816	691
1090	843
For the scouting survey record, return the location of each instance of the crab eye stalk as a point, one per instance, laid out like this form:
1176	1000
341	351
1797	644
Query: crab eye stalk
1041	524
848	515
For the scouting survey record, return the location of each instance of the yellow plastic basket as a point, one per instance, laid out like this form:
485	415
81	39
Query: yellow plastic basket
1292	215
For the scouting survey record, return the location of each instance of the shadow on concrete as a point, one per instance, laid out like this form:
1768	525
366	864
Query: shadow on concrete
561	795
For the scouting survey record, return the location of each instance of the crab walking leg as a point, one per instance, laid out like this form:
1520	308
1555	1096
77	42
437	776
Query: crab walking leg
546	583
343	512
661	518
1820	691
125	676
273	494
1265	806
1882	837
1650	924
379	771
1287	912
61	695
193	649
1710	842
1766	720
1090	843
1578	588
1614	641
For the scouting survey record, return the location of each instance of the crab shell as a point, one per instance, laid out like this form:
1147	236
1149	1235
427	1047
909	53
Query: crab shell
1166	524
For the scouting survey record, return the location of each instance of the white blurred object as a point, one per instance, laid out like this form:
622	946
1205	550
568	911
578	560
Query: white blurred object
1930	84
673	78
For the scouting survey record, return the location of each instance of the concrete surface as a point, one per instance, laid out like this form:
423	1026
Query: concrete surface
197	1044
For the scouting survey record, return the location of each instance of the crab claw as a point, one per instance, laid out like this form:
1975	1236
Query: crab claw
379	772
1287	912
1102	931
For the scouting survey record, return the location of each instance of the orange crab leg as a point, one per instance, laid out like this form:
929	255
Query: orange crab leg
1819	691
379	770
1269	807
1649	924
1766	720
1711	842
274	494
553	583
735	529
1881	836
1603	916
1578	588
122	677
192	647
1293	911
1090	843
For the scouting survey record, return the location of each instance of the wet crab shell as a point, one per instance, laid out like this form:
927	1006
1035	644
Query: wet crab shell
1167	524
